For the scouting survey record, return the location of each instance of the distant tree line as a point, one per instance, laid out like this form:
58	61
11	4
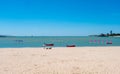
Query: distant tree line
107	35
3	36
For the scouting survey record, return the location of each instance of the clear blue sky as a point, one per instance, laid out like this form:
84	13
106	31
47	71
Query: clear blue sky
59	17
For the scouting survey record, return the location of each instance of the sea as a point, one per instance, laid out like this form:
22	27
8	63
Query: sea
58	41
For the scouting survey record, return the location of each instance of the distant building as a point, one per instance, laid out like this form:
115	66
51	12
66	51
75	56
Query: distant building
111	32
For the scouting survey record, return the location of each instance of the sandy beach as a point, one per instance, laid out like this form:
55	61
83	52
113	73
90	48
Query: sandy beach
78	60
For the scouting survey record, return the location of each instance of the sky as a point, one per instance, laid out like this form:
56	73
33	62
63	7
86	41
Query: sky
59	17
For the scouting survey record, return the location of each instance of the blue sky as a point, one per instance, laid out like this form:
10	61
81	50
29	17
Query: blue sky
59	17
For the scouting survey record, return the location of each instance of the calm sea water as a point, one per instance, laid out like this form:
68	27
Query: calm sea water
58	41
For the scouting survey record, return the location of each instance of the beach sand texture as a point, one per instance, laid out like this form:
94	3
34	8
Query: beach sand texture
78	60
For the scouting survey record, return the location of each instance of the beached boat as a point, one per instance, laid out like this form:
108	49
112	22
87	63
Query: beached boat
70	45
49	44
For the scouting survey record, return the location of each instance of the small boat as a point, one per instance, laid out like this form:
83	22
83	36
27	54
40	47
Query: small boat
49	44
70	45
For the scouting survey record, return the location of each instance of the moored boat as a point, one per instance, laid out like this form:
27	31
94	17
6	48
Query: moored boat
109	42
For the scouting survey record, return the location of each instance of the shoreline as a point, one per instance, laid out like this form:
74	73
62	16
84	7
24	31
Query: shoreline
58	47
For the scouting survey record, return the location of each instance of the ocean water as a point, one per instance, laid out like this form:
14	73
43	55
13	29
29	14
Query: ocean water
58	41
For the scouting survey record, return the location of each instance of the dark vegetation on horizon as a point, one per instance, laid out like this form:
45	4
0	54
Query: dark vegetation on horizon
107	35
3	36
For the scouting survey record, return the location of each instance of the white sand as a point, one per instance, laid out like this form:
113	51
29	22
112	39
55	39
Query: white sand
78	60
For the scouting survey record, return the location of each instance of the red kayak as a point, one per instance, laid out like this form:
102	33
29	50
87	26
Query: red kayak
70	45
49	44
